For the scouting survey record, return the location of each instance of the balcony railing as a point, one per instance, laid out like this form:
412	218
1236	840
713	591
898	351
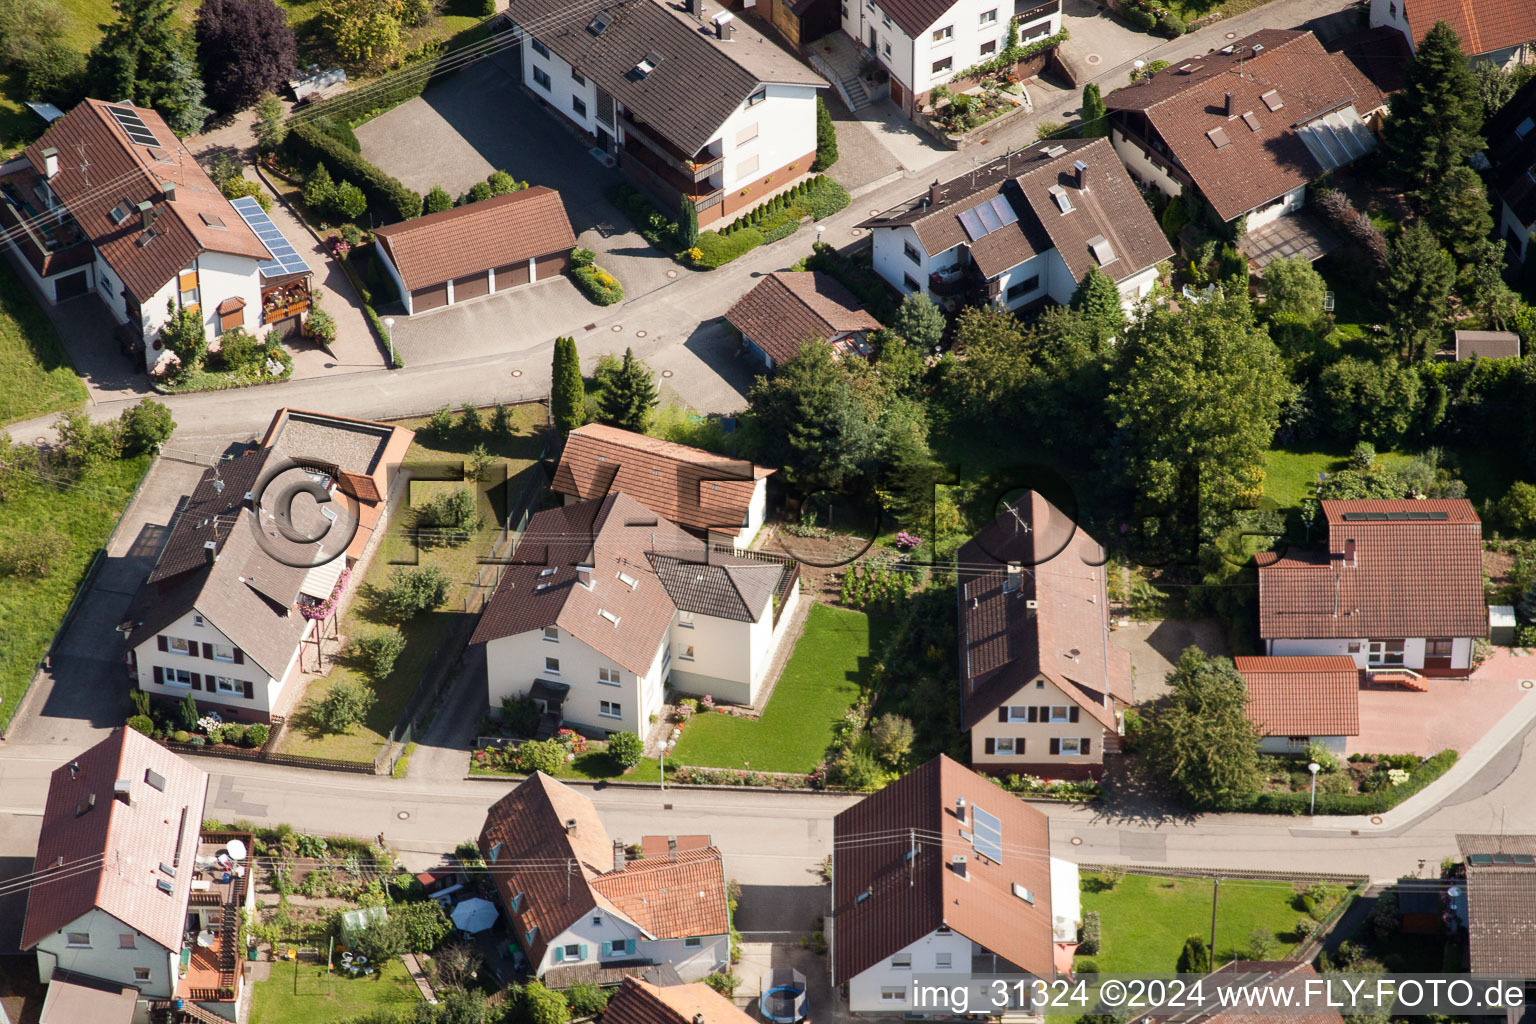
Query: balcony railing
698	169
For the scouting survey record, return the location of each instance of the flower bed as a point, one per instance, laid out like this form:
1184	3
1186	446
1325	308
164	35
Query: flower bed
1075	790
691	775
1393	788
598	285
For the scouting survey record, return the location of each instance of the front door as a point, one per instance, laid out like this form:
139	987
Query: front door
1384	653
874	41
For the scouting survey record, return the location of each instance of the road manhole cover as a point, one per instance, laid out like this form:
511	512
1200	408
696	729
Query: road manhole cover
1093	58
617	328
1231	35
1375	819
1526	684
666	373
517	373
856	232
874	213
40	440
672	273
639	334
404	815
1077	840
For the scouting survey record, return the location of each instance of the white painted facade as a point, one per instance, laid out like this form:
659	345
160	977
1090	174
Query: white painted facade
222	681
725	658
605	938
1286	205
969	32
105	955
514	663
1018	741
886	986
1141	166
1360	650
221	276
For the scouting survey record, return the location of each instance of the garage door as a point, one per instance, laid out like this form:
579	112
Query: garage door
423	299
71	287
511	275
552	265
471	286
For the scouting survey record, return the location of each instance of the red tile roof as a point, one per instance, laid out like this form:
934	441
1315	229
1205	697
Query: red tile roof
689	486
785	309
477	237
1303	696
543	822
1187	102
117	170
910	895
1412	577
640	1002
117	848
1005	643
1483	26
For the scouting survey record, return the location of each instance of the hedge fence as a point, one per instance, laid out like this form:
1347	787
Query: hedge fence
388	198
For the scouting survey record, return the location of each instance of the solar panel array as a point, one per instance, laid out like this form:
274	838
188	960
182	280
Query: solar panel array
286	259
988	837
983	219
133	126
1523	860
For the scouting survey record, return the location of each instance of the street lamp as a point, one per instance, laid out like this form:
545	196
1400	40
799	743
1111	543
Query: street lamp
389	333
1314	768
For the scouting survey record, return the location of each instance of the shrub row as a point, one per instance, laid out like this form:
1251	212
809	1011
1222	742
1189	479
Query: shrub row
869	287
388	198
1089	941
716	250
1013	55
778	218
653	225
598	285
1379	802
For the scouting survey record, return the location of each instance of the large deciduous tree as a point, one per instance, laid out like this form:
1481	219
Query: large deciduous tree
1295	289
1196	398
1435	121
1199	738
1367	400
812	422
246	47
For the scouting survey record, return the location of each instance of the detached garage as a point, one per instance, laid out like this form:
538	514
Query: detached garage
491	246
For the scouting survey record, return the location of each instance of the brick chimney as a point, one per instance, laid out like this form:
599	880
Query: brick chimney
50	163
935	193
1349	553
618	855
1230	105
1082	175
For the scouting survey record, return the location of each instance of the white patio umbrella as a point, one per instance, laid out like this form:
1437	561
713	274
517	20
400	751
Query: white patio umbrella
474	915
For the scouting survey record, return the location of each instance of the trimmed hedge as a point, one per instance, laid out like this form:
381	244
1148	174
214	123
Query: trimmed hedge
598	285
388	198
778	218
1378	802
340	131
716	249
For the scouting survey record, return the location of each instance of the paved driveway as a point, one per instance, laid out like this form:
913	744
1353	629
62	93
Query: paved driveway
1154	647
84	691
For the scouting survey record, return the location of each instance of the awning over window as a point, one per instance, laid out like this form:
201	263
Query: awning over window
231	305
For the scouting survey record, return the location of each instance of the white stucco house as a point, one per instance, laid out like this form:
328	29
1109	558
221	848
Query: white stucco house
607	603
136	880
1398	590
110	201
944	871
1249	125
924	43
609	916
628	75
1023	230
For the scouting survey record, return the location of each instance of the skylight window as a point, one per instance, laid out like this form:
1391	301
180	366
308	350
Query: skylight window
546	572
988	840
605	613
1063	201
121	212
1251	121
154	779
1218	137
1102	251
1023	894
597	24
628	580
647	64
1524	128
213	220
1272	100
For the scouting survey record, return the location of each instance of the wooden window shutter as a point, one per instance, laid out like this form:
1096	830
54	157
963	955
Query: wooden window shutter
159	674
1002	713
188	280
1018	745
160	642
1045	712
559	954
1055	745
197	681
239	656
1087	743
234	318
581	951
208	651
1072	714
991	745
250	690
1034	713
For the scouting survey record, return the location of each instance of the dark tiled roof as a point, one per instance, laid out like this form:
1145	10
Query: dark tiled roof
1487	345
132	840
1005	643
118	170
1411	578
1252	167
697	84
785	309
613	535
1501	905
724	586
1112	208
208	514
1483	26
477	237
691	487
640	1002
907	898
1303	696
915	16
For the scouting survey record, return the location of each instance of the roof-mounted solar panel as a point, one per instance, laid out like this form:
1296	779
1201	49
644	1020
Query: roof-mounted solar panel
1004	210
1479	859
988	837
133	126
285	258
972	225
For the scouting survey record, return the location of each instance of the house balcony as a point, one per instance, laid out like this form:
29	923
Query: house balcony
1025	11
210	954
50	243
284	301
696	168
664	178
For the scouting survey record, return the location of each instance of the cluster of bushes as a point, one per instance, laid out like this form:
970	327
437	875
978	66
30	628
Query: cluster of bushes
307	145
326	197
183	722
1089	936
690	775
867	286
598	285
654	226
497	183
230	180
1057	789
376	651
1012	53
1378	802
452	517
875	586
83	443
780	217
413	590
1151	16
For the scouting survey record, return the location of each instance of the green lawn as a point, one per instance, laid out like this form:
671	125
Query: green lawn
31	609
426	632
595	766
305	993
1290	474
823	678
38	377
1145	919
